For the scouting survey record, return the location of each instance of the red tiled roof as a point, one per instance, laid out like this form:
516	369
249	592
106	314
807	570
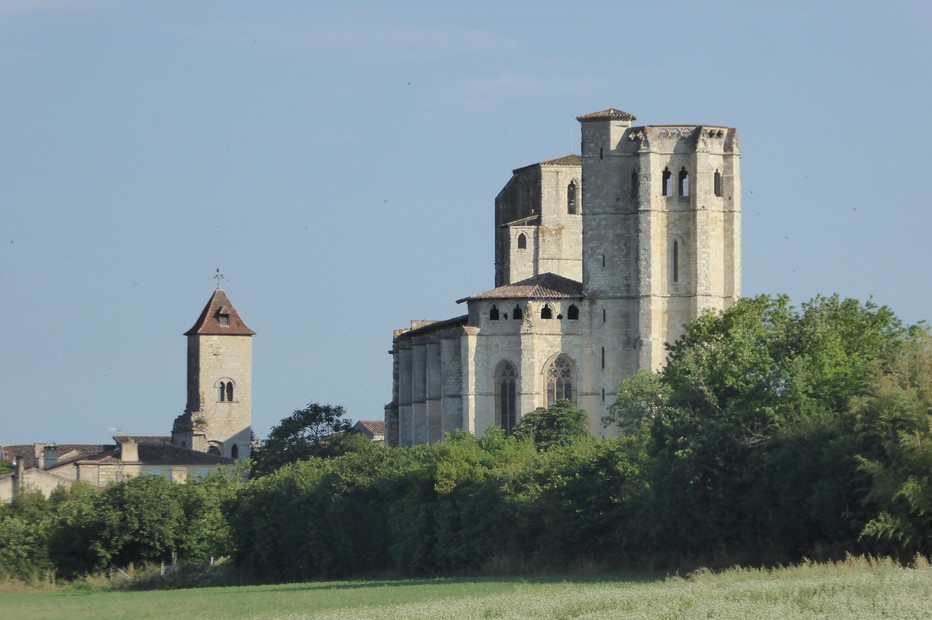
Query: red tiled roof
567	160
543	286
433	326
609	114
376	427
209	324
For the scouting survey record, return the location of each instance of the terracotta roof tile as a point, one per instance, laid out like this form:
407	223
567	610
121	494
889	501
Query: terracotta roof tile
566	160
209	323
543	286
430	327
609	114
376	427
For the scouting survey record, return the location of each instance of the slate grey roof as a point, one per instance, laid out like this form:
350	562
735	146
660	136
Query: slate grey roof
542	286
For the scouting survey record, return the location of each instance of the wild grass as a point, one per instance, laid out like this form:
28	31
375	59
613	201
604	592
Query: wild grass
857	588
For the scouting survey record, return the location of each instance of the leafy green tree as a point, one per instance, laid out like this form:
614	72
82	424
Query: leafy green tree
559	424
316	430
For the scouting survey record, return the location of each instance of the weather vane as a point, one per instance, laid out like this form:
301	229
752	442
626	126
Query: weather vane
218	276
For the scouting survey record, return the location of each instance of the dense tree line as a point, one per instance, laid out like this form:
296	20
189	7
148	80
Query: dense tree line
772	434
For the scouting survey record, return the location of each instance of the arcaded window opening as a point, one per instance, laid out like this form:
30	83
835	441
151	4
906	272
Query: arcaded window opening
684	182
546	312
230	391
493	314
572	313
506	401
213	450
560	378
522	241
224	391
717	183
517	313
665	182
571	198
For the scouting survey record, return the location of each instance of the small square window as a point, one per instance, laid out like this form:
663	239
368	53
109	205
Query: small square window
224	320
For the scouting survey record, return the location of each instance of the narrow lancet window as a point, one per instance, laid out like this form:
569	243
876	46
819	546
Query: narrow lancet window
230	391
571	198
665	182
221	392
546	312
505	404
560	378
717	183
522	241
676	260
572	313
684	182
493	314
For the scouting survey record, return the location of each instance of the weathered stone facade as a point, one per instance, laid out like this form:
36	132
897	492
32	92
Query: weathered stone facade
218	415
620	248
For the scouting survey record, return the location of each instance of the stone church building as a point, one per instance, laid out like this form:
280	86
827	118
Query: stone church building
599	261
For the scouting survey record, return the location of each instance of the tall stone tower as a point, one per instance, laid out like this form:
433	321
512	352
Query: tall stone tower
661	235
218	415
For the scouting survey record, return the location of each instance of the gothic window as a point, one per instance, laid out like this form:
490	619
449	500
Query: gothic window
506	401
560	378
684	182
546	312
717	183
676	260
493	314
572	313
213	450
634	183
230	391
221	392
665	189
517	313
571	198
522	242
234	451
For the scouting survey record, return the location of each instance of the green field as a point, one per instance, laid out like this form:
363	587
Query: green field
853	590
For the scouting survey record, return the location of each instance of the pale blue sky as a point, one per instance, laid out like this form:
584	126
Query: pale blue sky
338	161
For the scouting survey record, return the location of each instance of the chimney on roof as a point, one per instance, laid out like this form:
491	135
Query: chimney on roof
50	456
129	449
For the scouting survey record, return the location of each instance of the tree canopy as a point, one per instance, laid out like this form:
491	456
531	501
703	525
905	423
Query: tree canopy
315	430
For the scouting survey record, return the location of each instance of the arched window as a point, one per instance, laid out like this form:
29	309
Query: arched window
505	396
572	313
522	241
517	313
493	314
684	182
571	198
717	183
213	450
221	392
634	183
230	391
676	260
665	189
561	379
234	451
546	312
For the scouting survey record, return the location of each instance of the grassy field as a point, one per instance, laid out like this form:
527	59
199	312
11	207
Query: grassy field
857	589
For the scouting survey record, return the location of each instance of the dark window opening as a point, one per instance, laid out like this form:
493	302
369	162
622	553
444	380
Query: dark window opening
504	316
600	153
603	315
517	313
634	183
506	401
603	395
221	392
603	260
213	450
493	314
546	312
234	452
224	320
230	391
717	183
603	358
571	198
572	313
522	242
676	260
684	182
665	183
